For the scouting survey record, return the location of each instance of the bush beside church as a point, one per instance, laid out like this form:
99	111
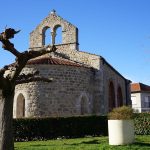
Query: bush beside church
71	127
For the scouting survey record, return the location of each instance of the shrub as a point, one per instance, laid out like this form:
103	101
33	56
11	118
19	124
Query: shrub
51	128
121	113
142	123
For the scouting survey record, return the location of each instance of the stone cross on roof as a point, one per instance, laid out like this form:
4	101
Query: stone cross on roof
53	11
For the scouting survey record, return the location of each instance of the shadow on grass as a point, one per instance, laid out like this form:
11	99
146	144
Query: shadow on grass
84	142
91	142
40	145
141	144
103	142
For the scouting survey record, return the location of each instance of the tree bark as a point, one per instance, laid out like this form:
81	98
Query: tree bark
7	85
6	115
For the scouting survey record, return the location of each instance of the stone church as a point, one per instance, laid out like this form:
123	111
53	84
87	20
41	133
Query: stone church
82	83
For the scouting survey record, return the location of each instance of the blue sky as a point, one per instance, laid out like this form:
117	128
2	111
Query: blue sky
118	30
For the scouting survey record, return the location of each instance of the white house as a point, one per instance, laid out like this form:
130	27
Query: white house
140	97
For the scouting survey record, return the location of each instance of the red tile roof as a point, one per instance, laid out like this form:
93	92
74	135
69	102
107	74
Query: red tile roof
54	61
139	87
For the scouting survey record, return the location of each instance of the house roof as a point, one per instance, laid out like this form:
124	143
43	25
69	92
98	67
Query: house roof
54	61
139	87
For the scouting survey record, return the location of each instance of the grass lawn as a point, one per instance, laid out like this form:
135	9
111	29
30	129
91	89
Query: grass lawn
91	143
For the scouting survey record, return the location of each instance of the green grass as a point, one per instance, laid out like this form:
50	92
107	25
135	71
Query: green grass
91	143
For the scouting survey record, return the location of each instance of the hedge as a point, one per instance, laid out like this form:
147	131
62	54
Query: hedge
51	128
72	127
142	123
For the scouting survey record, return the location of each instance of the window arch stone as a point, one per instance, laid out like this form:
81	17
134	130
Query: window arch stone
111	96
119	97
20	106
46	35
58	34
84	105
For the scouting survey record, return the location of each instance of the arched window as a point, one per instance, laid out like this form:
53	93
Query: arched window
58	33
119	97
84	105
20	109
111	96
46	36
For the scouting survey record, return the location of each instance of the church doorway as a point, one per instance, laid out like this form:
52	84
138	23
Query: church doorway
119	97
111	96
20	110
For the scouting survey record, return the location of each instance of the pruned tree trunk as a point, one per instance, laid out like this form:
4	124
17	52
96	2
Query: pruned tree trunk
8	82
6	115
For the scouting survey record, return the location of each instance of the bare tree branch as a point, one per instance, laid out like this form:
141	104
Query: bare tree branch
42	51
27	55
7	45
8	82
26	76
2	71
21	58
33	79
2	79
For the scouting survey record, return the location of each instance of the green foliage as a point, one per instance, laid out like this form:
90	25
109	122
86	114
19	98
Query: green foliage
72	127
90	143
142	123
121	113
51	128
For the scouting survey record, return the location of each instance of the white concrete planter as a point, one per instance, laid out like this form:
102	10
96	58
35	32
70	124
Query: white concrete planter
120	132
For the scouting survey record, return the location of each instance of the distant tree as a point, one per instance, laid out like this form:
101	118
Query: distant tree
8	82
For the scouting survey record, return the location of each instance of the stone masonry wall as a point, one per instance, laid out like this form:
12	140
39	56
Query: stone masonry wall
79	56
85	58
53	21
110	75
70	85
62	96
69	49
